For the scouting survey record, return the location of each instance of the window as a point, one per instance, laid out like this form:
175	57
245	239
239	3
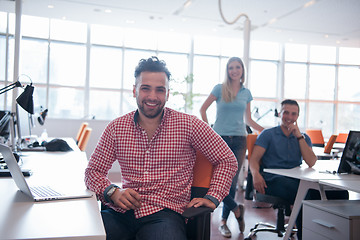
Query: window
322	82
105	67
206	74
174	42
68	30
349	56
34	26
3	22
322	54
263	79
63	103
264	50
349	89
34	49
295	78
68	64
296	52
77	75
106	35
348	117
207	45
321	117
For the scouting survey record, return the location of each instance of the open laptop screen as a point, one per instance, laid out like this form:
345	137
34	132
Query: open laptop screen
350	159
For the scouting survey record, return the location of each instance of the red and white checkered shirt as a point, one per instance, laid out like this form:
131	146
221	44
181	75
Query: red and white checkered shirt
160	170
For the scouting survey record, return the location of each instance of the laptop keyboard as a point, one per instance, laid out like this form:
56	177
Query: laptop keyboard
44	191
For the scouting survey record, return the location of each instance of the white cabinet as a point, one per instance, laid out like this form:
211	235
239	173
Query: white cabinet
332	219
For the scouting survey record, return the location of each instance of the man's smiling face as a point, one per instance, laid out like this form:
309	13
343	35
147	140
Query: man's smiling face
151	92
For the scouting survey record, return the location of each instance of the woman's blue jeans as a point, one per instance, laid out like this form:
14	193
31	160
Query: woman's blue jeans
237	144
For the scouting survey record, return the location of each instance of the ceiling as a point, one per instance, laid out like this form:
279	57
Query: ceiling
322	22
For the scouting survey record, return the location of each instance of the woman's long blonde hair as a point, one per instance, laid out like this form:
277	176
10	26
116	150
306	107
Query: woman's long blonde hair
227	94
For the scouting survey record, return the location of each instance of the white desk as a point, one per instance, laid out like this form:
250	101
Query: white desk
346	184
21	218
313	178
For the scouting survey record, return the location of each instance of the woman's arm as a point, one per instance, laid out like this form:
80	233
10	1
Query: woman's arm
249	121
210	99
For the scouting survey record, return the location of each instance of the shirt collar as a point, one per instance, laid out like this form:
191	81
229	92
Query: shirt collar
136	115
278	130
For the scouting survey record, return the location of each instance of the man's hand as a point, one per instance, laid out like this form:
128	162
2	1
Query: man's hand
294	129
126	199
259	183
197	202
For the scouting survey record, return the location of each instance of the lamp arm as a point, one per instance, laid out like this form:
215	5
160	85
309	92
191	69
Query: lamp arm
266	113
234	21
9	87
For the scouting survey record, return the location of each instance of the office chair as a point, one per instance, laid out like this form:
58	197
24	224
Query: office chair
276	202
84	138
250	142
330	144
316	136
341	138
198	225
283	208
81	131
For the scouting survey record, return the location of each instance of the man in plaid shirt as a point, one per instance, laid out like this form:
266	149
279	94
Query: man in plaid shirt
155	147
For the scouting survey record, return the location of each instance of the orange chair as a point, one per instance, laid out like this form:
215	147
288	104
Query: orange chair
81	131
84	138
330	144
341	138
316	136
250	142
198	226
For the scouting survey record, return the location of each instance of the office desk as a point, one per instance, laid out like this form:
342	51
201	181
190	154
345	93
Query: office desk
315	178
346	184
21	218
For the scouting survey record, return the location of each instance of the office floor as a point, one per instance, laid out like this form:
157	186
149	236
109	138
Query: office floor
253	213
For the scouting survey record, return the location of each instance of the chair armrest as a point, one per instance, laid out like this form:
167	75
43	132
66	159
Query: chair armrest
193	211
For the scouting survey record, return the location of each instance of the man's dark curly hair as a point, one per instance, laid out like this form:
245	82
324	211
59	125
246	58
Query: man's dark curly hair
152	64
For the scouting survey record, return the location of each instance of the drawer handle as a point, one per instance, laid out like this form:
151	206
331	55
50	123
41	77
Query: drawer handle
323	223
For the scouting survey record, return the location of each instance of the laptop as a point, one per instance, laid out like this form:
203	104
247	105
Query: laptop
350	159
37	193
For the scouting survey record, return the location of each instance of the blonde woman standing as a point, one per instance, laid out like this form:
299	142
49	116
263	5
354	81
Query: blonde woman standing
233	107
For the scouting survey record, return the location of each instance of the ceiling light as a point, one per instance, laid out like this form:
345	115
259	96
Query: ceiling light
272	21
187	3
308	4
51	6
107	10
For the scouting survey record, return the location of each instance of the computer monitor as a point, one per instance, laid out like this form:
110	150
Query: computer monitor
350	159
24	122
5	117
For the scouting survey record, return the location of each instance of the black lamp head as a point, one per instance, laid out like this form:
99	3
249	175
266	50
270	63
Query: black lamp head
41	118
25	100
276	114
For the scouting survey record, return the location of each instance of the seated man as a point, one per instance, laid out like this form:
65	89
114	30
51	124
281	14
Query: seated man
155	147
284	147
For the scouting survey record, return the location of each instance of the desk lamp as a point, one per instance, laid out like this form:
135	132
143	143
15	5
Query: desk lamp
25	100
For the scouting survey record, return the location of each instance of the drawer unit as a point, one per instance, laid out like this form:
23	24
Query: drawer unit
333	219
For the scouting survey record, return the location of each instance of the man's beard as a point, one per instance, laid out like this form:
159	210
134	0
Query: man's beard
151	113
